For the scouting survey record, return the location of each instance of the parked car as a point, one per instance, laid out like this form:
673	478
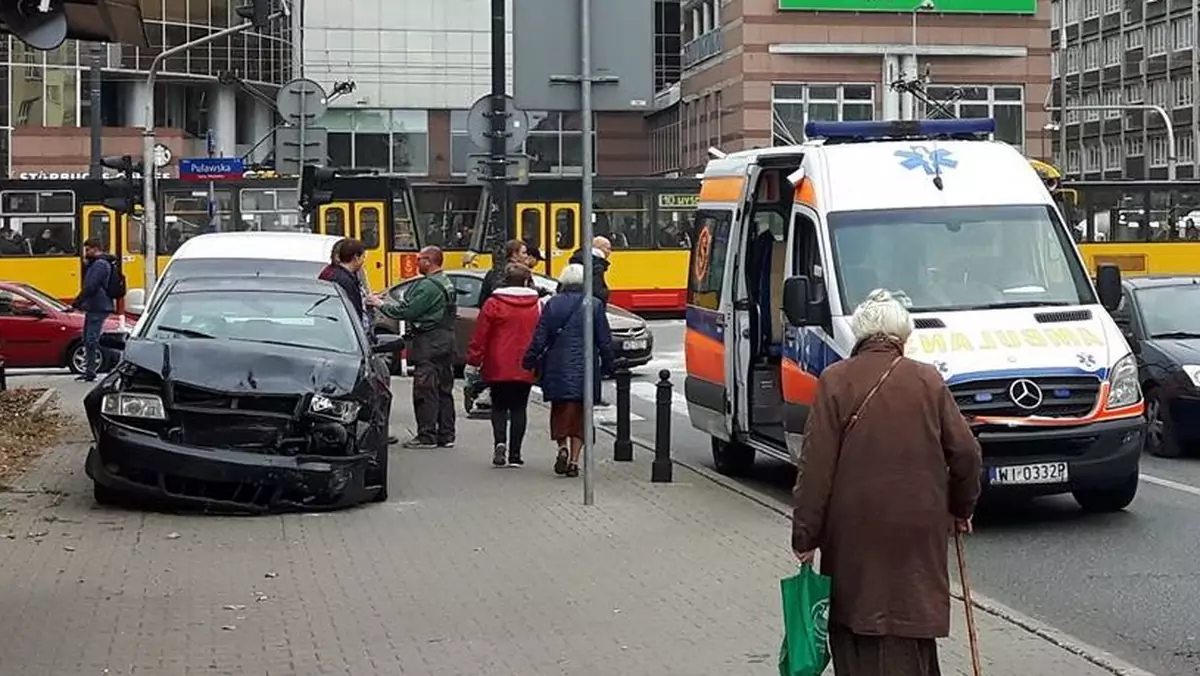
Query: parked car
43	332
1160	317
247	393
633	344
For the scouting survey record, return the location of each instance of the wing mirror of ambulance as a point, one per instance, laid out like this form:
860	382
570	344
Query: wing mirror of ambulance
1108	286
798	301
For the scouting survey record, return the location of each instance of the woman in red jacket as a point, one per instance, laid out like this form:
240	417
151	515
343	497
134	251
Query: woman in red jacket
502	334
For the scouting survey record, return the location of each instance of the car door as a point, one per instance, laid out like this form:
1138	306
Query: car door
30	339
469	289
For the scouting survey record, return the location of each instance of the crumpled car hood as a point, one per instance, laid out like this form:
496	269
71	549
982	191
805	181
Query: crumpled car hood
246	367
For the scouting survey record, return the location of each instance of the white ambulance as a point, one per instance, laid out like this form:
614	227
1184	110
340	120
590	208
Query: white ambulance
961	228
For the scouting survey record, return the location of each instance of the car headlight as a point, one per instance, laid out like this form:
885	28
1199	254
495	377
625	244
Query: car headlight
342	411
1193	373
1124	389
128	405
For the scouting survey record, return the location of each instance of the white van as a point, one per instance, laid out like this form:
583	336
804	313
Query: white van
789	240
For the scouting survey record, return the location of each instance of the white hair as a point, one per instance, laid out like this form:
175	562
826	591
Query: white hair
572	275
881	315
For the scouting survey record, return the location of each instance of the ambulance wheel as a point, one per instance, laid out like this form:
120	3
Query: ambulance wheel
731	458
1108	499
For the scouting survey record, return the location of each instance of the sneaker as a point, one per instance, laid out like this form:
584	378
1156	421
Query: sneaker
393	440
446	444
419	443
498	458
560	462
515	460
572	470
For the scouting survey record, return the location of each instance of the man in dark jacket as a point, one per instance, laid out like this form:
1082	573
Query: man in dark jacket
429	308
514	252
601	250
95	302
347	260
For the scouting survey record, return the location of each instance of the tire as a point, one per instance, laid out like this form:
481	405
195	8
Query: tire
1160	429
76	357
732	459
1112	499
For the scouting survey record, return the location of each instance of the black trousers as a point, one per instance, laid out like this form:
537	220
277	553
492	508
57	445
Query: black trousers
510	404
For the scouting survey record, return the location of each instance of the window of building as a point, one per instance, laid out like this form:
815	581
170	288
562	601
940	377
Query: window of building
1112	50
1091	100
704	18
1003	103
1158	92
1183	92
1158	151
1093	156
1134	38
1185	148
1055	13
1091	8
1073	160
1134	146
794	104
1072	109
1112	154
1133	93
392	141
1183	34
1091	55
1073	11
1072	60
1112	99
1156	42
667	44
1113	6
1055	65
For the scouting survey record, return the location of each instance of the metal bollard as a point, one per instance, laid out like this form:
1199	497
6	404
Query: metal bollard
3	376
661	468
623	446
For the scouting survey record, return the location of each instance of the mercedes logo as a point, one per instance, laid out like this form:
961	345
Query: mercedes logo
1025	394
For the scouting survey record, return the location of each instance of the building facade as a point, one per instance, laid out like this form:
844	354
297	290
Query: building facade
1113	62
225	89
754	71
417	67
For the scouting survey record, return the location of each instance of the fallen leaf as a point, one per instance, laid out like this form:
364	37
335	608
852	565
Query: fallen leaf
173	536
235	606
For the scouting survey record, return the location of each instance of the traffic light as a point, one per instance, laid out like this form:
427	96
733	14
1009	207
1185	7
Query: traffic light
256	12
124	192
316	186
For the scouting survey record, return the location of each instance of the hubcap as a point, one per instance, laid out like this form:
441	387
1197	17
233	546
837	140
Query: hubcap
79	359
1154	428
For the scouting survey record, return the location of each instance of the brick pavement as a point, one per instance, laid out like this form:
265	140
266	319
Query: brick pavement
469	569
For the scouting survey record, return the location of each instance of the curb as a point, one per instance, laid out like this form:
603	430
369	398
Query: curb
44	401
1100	658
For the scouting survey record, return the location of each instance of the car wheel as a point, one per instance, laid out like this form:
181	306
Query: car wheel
732	459
1160	430
77	358
381	473
1111	499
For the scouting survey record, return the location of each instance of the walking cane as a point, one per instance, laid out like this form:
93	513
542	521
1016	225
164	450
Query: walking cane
972	635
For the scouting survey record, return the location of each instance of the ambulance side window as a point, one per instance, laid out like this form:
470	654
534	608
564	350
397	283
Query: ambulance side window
706	271
807	254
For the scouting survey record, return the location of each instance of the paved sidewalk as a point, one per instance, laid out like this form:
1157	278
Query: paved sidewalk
468	570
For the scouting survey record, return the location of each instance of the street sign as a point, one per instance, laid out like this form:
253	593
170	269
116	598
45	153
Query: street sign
479	171
287	148
211	168
479	124
301	98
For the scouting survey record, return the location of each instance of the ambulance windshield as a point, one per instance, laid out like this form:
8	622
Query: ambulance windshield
958	258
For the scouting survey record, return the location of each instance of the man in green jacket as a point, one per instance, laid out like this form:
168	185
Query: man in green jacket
429	310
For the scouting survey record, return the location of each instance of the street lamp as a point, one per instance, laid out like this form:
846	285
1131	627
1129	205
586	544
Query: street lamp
910	99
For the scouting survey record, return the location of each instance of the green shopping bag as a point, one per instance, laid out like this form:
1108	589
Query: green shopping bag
805	649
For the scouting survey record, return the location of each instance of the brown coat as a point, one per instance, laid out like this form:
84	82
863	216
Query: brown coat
879	505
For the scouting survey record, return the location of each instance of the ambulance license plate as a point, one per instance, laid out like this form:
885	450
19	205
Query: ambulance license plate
1041	473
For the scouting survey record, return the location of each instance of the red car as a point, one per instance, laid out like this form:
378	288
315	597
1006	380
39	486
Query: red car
39	331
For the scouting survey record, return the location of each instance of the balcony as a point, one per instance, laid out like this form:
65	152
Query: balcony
703	48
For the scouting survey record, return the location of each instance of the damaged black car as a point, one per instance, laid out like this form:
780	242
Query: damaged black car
250	394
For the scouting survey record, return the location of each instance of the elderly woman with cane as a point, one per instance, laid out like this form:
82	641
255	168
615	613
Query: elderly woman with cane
889	468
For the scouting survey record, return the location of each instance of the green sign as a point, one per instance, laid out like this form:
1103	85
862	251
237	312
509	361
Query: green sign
940	6
668	201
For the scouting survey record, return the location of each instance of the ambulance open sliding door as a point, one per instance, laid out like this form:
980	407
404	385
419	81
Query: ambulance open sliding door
368	216
532	229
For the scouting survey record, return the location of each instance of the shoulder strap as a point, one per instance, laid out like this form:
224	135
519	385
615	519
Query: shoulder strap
558	331
857	415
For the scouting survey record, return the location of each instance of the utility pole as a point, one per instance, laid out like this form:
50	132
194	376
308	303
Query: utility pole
95	122
499	125
589	339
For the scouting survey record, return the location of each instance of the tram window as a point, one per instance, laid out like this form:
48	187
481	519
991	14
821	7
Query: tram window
185	215
100	227
335	222
34	202
622	216
38	236
564	228
133	235
675	228
271	210
531	227
404	238
446	216
368	227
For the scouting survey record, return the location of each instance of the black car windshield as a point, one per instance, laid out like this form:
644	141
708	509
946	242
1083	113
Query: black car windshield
1170	311
302	319
958	258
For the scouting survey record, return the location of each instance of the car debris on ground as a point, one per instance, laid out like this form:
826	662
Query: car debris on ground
24	436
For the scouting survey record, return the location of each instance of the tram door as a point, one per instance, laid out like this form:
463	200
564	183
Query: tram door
553	227
363	221
100	222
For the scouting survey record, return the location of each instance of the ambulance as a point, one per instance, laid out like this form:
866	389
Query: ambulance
963	231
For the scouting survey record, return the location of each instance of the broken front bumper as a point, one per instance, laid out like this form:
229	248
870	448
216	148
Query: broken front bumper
141	464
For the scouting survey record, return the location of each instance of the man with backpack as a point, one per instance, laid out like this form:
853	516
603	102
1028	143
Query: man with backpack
103	283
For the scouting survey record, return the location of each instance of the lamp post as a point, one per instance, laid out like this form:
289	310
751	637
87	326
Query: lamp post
909	111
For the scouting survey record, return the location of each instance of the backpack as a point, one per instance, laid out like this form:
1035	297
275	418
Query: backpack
116	286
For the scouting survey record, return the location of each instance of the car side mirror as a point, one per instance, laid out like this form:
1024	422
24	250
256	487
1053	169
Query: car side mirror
387	343
32	311
1108	286
113	340
135	301
797	300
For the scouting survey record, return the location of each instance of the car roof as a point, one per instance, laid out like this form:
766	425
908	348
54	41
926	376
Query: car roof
264	283
1160	281
287	246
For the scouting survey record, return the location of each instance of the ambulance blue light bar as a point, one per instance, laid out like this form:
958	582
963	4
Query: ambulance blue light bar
900	129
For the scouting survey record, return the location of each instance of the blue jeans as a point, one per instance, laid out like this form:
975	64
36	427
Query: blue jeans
93	325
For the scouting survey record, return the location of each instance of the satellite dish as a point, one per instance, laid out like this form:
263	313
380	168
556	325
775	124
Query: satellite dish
41	24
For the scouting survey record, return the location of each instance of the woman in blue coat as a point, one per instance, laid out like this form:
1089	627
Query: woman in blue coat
557	354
